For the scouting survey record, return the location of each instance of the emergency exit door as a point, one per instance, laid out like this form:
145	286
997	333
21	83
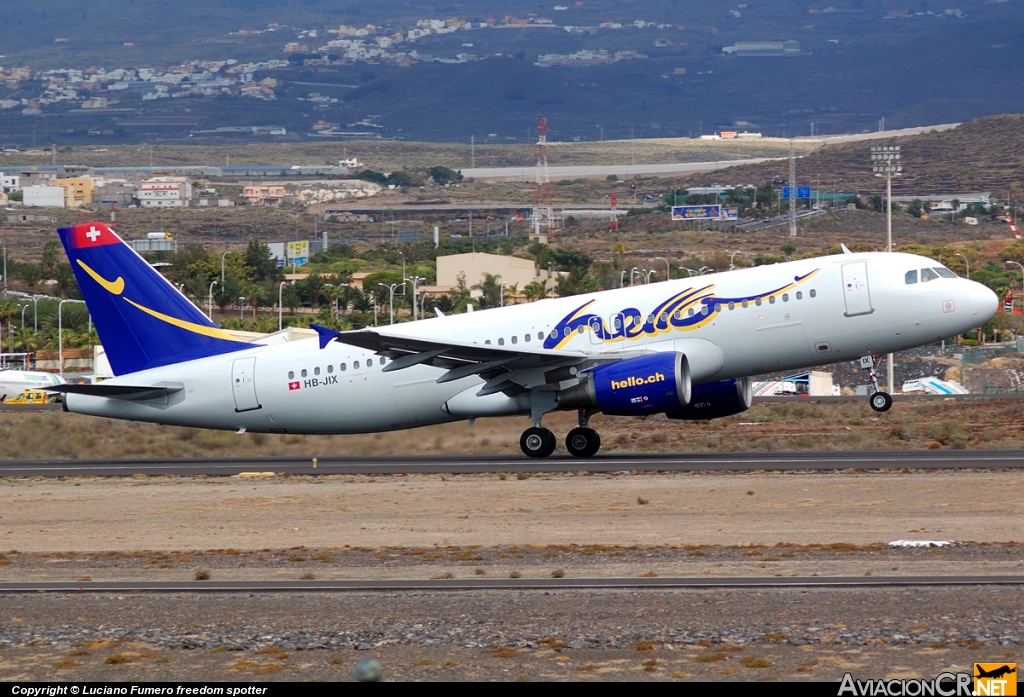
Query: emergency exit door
855	289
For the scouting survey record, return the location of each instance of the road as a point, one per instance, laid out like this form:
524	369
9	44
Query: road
476	464
362	585
620	170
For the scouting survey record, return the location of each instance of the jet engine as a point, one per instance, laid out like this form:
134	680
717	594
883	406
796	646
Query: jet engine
713	400
633	387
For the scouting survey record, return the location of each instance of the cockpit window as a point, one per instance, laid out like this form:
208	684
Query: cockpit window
911	277
928	275
944	272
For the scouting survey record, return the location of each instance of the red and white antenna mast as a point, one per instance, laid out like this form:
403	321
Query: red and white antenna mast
542	215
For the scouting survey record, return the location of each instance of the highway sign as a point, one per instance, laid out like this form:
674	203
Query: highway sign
801	192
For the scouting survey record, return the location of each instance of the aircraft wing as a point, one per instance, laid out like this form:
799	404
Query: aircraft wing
506	369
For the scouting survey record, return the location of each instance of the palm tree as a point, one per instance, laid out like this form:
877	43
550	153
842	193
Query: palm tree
512	293
29	275
534	291
490	290
313	287
254	292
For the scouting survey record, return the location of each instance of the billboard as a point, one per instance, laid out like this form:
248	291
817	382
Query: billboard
298	253
730	214
696	212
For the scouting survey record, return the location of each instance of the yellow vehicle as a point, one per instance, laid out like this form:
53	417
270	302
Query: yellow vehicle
31	397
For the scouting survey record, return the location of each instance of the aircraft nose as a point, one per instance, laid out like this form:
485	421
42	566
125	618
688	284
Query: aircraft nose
984	302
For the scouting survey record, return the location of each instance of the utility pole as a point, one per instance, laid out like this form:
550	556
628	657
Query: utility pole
792	189
472	152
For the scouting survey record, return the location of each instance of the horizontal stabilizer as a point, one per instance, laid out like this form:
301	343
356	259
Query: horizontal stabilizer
129	392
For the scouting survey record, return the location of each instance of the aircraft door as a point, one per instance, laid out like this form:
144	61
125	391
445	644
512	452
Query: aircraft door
855	289
594	331
243	384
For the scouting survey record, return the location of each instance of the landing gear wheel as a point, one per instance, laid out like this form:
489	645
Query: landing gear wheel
537	442
582	442
881	401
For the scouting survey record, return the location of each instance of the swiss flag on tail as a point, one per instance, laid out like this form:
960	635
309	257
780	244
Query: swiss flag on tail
92	235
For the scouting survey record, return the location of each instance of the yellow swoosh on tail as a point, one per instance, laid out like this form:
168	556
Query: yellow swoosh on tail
214	332
115	287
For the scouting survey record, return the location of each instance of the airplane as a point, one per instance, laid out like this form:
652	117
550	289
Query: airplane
685	348
13	382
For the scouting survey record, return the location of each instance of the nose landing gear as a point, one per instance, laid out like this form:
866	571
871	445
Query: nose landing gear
880	401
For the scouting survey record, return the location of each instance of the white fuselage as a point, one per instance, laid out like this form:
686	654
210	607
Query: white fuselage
845	307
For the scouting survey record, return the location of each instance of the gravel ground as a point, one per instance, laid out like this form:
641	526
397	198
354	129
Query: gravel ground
749	634
626	525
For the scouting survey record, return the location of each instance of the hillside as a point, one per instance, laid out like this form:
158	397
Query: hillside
982	155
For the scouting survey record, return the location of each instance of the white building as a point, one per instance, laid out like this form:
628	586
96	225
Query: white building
44	196
9	182
164	192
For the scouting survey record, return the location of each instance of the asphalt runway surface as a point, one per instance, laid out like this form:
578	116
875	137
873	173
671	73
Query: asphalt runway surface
355	585
477	464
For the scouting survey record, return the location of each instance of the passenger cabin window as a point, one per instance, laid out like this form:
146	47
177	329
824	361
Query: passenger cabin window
771	299
343	367
330	369
291	374
799	295
355	365
814	293
369	362
944	272
526	337
304	373
928	275
515	340
316	371
785	297
501	341
911	277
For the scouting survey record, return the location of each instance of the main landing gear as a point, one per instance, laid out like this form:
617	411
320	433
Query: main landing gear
880	401
581	441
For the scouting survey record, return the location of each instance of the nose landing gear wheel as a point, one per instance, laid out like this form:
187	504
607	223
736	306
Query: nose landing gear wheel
537	442
582	442
881	401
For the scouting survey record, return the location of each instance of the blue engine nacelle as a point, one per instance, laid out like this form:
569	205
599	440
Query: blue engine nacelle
633	387
713	400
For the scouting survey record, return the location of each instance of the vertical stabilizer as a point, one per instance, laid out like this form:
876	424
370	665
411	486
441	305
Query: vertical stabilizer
142	320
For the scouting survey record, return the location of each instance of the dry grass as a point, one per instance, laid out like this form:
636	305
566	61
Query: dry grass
786	427
711	657
202	574
645	645
116	658
753	662
504	652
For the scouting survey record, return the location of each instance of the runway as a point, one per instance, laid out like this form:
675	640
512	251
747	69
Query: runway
435	585
478	464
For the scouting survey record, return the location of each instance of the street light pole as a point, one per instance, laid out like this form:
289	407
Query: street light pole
668	269
501	293
622	277
209	301
732	255
222	268
966	261
391	298
886	162
241	308
280	306
415	280
646	273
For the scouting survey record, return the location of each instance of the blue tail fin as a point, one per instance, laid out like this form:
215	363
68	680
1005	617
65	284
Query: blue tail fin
142	320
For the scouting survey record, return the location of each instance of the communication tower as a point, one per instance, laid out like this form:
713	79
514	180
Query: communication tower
542	215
